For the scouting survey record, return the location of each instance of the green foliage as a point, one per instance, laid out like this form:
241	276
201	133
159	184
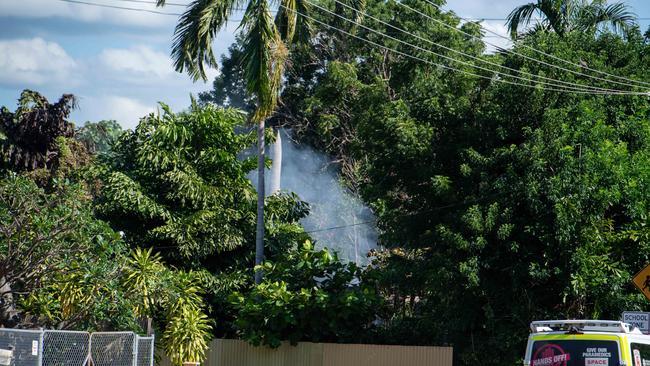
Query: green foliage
177	298
500	204
176	175
98	137
563	16
227	90
177	184
306	296
31	137
48	240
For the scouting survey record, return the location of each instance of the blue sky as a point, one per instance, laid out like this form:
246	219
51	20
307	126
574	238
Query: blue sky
117	62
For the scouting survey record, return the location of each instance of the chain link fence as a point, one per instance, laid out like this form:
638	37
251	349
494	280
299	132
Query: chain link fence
145	351
64	348
68	348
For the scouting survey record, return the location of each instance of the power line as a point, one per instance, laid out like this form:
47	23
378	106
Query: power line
552	81
435	63
533	49
341	227
166	3
596	90
427	211
157	12
120	7
152	2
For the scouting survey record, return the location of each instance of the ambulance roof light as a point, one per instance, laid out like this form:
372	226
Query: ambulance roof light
584	325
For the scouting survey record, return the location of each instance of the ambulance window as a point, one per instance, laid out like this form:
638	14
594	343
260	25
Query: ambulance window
640	354
575	353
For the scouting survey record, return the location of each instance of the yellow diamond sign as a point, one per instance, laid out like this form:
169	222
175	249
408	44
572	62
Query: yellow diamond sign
642	281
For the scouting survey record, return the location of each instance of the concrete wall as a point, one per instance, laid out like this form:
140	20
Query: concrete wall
228	352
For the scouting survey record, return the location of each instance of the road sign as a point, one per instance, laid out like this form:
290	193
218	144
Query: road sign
642	281
638	319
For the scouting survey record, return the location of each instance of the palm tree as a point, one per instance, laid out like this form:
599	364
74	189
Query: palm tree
264	54
563	16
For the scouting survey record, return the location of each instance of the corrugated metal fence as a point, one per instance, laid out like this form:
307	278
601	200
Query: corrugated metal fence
228	352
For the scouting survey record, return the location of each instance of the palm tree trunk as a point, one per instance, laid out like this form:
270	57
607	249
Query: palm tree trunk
259	234
276	169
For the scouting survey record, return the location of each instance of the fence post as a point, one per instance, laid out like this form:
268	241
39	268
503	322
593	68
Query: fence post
89	357
153	344
135	349
41	347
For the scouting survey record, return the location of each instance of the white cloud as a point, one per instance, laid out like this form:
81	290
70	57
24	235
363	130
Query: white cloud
142	66
88	13
498	29
126	111
35	62
139	60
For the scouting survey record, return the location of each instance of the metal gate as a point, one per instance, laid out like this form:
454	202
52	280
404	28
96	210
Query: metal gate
20	347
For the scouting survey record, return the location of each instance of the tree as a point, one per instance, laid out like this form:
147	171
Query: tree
507	204
264	54
228	89
563	16
175	299
31	137
178	184
60	266
501	203
48	238
98	137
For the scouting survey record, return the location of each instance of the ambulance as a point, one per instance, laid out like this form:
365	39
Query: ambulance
586	343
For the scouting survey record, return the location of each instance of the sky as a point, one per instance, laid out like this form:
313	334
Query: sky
117	61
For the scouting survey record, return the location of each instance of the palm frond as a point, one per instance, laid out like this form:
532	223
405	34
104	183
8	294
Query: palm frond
195	31
520	16
285	20
304	26
360	7
264	57
615	15
292	25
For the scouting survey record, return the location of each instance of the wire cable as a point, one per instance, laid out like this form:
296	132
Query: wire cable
581	88
152	2
638	83
426	211
167	3
120	7
553	81
435	63
79	2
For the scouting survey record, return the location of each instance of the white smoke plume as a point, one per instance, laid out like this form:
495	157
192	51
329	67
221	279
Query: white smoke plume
338	220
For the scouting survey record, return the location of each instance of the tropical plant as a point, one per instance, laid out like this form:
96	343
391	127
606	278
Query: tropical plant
178	296
59	266
308	295
228	90
264	55
563	16
31	137
178	184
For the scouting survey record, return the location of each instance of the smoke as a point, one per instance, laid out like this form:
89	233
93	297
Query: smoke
338	220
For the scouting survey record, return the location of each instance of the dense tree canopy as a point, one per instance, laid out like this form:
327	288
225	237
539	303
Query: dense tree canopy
501	203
